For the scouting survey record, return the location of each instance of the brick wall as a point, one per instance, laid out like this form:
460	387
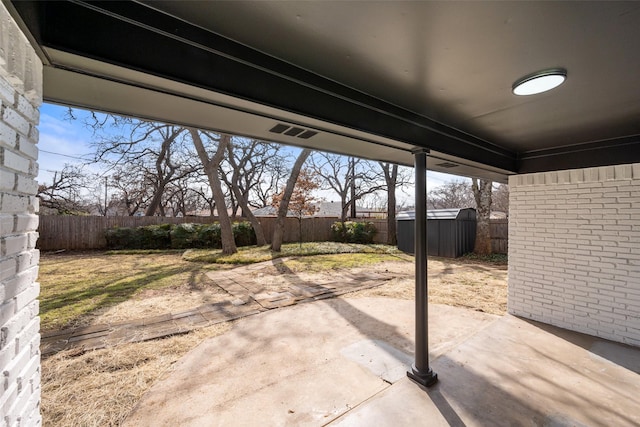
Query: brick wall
20	97
574	250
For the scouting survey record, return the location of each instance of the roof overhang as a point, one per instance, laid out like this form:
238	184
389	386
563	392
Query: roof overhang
96	85
212	65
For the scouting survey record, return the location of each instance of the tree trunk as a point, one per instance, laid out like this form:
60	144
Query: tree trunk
345	208
482	194
278	231
211	168
255	223
242	201
162	179
354	214
156	200
391	177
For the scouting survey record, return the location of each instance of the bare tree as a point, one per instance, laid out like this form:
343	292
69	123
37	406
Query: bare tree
272	174
180	198
63	196
395	177
166	171
482	193
283	207
131	193
155	150
212	167
351	179
205	197
390	172
260	167
453	194
247	159
500	199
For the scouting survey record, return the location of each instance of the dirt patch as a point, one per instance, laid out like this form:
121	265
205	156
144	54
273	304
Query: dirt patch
479	287
459	283
153	302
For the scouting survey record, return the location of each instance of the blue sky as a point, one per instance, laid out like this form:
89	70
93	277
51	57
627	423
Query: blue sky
66	142
61	141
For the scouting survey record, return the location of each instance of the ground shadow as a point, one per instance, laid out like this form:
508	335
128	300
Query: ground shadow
620	354
480	393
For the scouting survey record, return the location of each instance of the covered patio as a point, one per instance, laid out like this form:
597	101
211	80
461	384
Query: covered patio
343	362
429	84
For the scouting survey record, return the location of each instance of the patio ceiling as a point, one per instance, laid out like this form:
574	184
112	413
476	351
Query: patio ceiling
372	79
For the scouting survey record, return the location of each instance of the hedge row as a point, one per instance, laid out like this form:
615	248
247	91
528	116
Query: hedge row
177	236
353	232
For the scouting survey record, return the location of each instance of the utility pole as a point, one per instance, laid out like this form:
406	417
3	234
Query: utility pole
105	196
353	188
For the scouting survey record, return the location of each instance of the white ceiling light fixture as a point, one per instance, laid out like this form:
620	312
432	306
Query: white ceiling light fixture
540	81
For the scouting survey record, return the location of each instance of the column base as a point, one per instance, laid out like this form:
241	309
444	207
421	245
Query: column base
425	379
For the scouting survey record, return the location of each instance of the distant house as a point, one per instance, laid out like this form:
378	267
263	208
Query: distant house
326	210
498	215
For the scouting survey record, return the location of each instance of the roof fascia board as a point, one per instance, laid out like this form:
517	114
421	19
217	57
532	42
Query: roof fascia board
597	153
105	31
193	107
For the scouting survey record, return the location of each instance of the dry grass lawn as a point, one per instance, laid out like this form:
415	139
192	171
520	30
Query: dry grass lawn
471	285
85	288
99	388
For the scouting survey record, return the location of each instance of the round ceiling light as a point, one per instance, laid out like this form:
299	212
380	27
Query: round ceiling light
540	81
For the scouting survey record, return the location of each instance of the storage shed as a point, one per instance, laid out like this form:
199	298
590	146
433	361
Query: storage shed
450	232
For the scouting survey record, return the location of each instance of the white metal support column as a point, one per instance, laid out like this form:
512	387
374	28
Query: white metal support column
420	371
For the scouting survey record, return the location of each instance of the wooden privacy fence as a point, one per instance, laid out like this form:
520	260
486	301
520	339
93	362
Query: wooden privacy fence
87	232
499	236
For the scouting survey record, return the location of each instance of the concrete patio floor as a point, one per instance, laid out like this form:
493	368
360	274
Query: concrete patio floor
343	362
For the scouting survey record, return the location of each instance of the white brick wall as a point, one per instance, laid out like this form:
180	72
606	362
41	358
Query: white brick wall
20	97
574	250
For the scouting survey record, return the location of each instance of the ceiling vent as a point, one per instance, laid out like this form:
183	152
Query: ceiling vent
293	131
447	165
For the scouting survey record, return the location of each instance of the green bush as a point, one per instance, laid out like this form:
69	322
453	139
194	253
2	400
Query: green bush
208	236
179	236
244	234
184	236
122	238
353	232
154	236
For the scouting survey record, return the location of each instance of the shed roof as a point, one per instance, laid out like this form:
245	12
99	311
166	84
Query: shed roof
465	213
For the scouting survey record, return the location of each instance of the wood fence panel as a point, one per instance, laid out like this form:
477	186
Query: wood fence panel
499	230
87	232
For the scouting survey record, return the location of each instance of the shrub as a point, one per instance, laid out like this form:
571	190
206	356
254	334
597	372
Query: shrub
154	236
184	236
353	232
244	234
179	236
208	236
122	238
